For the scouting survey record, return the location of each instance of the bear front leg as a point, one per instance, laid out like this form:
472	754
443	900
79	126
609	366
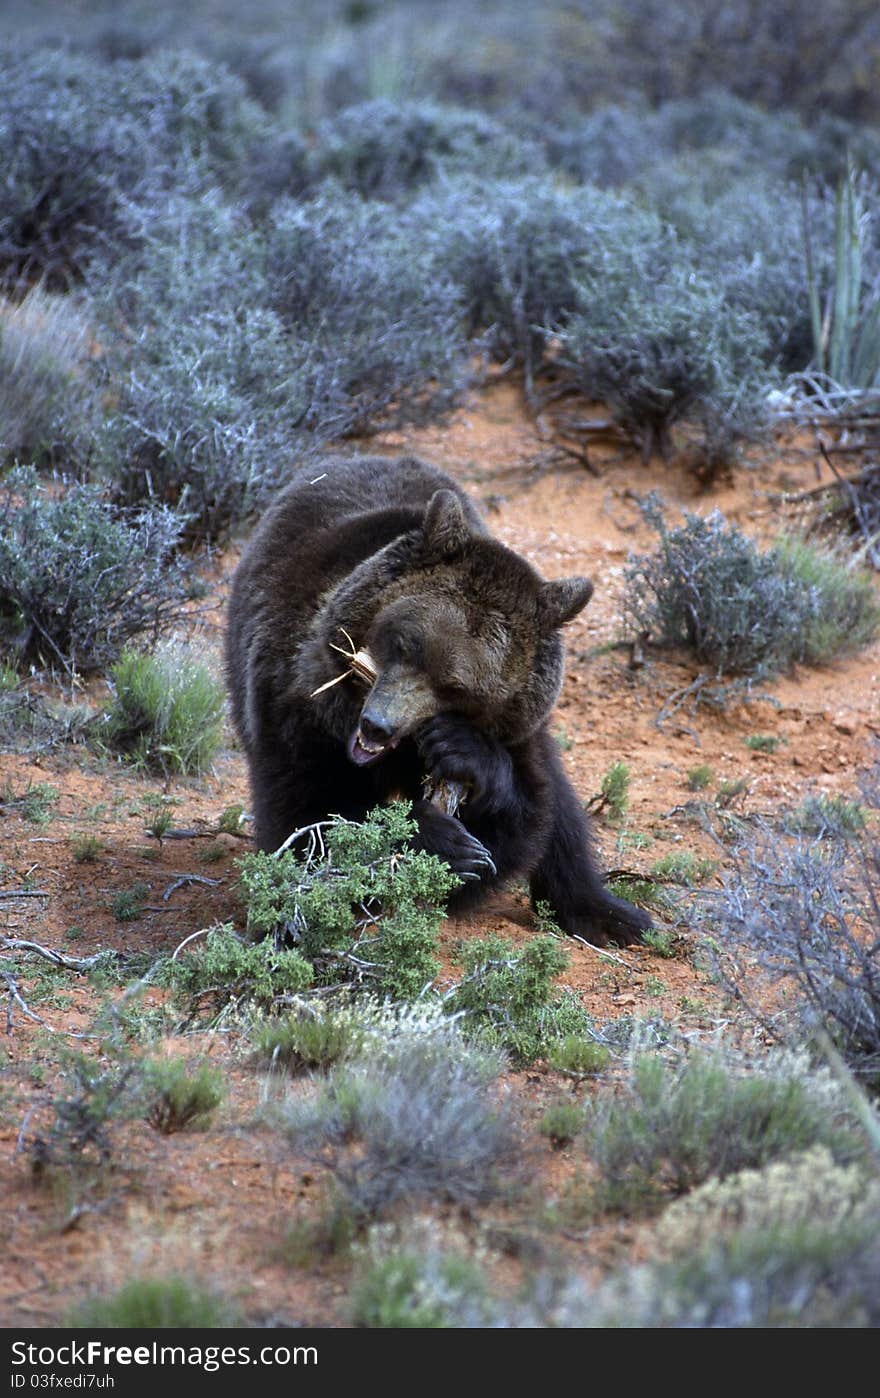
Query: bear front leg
566	877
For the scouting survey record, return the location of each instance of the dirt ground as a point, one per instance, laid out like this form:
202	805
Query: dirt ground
212	1204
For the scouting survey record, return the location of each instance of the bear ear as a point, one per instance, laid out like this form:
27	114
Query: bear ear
562	600
445	528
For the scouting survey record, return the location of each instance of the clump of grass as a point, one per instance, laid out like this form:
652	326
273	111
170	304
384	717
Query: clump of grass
86	849
80	578
698	778
418	1284
179	1096
578	1057
305	1039
763	742
661	942
34	803
670	1127
156	1303
44	396
562	1123
507	996
711	591
167	710
128	904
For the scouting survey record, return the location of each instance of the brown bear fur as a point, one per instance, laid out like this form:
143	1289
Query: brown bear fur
465	637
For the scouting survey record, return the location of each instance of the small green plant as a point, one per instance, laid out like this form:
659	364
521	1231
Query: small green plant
846	330
578	1057
128	904
86	849
420	1288
44	392
562	1123
231	820
78	1131
160	823
564	739
167	714
613	795
34	803
331	1234
305	1039
729	790
644	891
763	742
180	1096
681	866
156	1303
698	778
661	942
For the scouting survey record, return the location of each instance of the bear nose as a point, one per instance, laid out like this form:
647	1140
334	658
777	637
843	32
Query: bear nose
376	729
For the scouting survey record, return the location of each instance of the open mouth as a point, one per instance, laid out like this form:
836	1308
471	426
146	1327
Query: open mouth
364	751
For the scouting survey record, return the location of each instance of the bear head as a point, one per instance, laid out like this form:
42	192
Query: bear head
452	621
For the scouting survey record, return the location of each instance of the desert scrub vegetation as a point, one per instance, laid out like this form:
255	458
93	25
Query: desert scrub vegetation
180	1096
805	911
226	975
156	1303
710	590
167	710
45	397
507	997
669	1126
419	1114
80	577
384	149
360	906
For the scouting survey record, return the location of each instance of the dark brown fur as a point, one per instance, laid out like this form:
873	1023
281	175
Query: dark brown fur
465	637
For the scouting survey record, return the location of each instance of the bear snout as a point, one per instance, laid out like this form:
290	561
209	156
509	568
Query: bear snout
373	737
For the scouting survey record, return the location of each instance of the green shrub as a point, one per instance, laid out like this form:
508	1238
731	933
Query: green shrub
228	971
507	997
614	791
710	590
167	710
562	1123
417	1284
363	907
827	817
684	867
79	577
156	1303
671	1127
179	1096
305	1039
700	777
578	1057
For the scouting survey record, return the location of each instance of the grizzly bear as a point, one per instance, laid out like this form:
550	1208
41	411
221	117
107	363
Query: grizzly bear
391	557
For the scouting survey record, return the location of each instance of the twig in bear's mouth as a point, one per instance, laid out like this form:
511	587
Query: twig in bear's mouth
360	663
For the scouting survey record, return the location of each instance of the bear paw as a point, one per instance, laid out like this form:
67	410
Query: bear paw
446	837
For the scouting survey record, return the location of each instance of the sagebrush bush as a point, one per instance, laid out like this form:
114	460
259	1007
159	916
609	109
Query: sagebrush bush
179	1095
658	343
307	1037
206	387
418	1116
378	323
806	911
45	398
167	709
669	1127
361	904
80	138
412	1281
516	250
711	590
79	578
384	149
